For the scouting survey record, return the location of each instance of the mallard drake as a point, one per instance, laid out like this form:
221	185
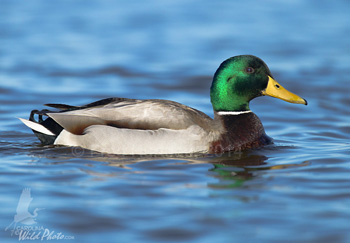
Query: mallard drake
132	126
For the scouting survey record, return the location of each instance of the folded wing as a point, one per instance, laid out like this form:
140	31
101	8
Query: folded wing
131	114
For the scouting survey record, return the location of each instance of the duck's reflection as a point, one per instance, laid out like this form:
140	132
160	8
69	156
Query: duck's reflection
234	171
230	169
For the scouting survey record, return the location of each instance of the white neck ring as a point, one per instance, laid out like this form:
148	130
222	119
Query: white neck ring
234	113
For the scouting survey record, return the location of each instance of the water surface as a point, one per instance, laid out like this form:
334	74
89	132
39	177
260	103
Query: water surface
296	190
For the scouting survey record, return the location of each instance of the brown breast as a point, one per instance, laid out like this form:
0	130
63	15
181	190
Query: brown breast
244	131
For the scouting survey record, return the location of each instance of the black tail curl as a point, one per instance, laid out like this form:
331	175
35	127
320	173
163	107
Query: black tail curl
49	123
53	126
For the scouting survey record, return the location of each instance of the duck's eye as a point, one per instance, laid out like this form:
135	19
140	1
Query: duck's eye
249	70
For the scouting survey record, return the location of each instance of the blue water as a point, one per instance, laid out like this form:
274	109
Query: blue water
75	52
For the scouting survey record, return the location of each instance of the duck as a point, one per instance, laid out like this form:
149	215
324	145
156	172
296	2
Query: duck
125	126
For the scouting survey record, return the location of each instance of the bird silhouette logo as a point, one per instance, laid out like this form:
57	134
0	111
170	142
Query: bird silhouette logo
23	215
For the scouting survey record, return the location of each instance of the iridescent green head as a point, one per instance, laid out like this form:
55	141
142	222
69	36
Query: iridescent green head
240	79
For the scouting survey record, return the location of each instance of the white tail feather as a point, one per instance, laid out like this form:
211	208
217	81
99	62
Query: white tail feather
37	127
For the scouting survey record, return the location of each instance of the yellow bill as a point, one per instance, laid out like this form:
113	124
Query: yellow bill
276	90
